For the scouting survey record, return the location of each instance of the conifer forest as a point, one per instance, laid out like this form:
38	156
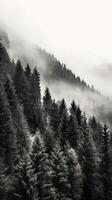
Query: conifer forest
48	150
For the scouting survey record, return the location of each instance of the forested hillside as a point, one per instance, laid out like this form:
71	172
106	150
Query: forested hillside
48	151
61	81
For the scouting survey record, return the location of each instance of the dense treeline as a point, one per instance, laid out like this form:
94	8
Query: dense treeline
47	150
57	71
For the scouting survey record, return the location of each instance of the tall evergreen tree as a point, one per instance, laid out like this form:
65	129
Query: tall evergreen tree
47	101
36	85
5	181
5	64
73	108
36	99
20	82
4	57
63	128
49	138
62	107
106	164
96	131
29	100
54	117
75	173
91	182
43	170
73	131
18	117
61	172
24	184
79	116
28	71
8	140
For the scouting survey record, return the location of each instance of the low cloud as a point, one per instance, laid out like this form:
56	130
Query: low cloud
91	103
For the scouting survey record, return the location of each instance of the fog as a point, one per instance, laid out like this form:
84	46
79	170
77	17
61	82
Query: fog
92	103
79	33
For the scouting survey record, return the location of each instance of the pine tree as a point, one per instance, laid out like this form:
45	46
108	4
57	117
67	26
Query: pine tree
73	108
93	123
43	170
54	117
62	107
47	101
79	116
8	140
96	131
18	118
5	64
49	138
61	172
73	131
4	57
28	71
106	164
24	184
20	82
75	173
29	100
28	90
36	85
33	98
63	128
36	99
89	166
4	180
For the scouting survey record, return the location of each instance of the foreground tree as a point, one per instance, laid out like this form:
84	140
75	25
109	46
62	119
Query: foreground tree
8	140
75	173
24	184
89	166
18	118
61	172
106	164
44	179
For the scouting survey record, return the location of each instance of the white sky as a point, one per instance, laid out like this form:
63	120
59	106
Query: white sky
78	32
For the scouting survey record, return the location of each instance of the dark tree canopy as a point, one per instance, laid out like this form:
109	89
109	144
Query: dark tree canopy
47	150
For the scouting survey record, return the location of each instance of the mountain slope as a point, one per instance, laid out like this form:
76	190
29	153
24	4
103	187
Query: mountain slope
47	151
61	81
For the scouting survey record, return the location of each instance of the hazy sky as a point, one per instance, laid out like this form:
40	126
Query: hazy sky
78	32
